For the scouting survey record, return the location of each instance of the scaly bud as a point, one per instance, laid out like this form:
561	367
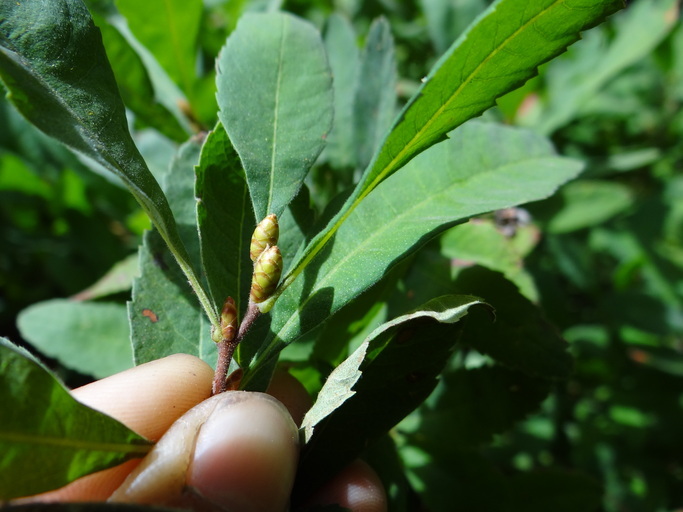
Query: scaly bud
228	320
265	234
267	272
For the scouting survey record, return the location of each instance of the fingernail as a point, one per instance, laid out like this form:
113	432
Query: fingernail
246	454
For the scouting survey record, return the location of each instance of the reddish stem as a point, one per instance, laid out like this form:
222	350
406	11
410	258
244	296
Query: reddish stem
226	349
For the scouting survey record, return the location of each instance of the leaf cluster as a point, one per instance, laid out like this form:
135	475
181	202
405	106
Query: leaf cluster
383	186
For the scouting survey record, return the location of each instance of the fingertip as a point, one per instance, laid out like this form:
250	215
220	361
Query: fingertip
246	454
357	487
236	451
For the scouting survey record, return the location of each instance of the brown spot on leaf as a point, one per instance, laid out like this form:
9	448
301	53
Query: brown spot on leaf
153	317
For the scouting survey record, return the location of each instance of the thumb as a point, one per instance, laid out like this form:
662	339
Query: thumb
236	451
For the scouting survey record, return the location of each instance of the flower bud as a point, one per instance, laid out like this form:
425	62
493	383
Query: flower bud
229	320
267	272
265	234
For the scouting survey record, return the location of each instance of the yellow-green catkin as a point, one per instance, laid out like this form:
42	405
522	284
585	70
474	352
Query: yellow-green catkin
267	272
266	234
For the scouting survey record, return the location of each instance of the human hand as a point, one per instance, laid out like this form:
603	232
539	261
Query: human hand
236	451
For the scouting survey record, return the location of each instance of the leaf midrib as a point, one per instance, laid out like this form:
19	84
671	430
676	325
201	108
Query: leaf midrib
276	118
75	444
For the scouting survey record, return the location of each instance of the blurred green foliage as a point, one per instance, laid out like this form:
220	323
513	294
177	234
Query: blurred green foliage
603	259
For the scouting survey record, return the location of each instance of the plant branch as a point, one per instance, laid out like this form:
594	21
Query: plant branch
227	346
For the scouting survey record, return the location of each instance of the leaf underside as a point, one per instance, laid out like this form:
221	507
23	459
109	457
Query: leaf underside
399	362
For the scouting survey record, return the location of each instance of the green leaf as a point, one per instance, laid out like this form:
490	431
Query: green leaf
164	315
482	167
135	85
399	363
168	29
587	203
178	183
167	92
53	65
47	438
575	81
17	176
470	406
118	278
275	98
295	224
446	20
374	107
90	337
521	337
355	321
226	221
498	53
555	489
338	388
471	479
342	52
481	242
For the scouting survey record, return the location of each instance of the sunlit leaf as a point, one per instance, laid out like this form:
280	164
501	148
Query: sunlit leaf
90	337
498	53
482	167
171	37
342	52
275	98
480	242
374	106
47	438
574	83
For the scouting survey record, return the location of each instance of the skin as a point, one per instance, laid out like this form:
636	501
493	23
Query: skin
235	451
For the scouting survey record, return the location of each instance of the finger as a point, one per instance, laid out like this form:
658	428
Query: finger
148	399
236	451
291	393
357	487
